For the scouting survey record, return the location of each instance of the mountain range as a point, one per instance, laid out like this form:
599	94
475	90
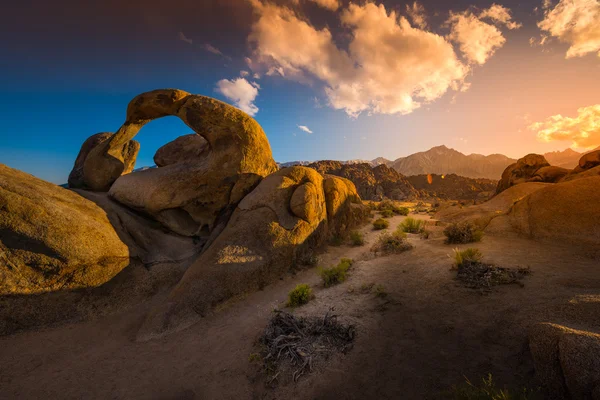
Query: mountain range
444	160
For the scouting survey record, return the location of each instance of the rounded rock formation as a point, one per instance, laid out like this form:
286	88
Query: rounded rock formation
184	148
193	196
522	171
53	239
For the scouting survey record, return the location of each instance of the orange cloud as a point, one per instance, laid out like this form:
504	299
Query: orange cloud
576	22
583	130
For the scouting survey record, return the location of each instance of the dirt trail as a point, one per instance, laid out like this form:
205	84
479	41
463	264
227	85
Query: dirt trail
424	337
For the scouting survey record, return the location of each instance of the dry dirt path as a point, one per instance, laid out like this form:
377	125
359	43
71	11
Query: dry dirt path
415	344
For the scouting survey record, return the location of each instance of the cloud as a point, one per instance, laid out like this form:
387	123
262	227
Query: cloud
305	129
183	38
476	39
388	67
575	22
583	130
328	4
211	49
244	74
241	92
416	12
500	14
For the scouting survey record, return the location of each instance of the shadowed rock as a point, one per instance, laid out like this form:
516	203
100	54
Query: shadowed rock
567	361
51	238
273	227
129	154
522	171
185	148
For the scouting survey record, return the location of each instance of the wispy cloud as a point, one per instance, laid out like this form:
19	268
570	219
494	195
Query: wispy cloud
241	92
211	49
305	129
583	130
575	22
416	12
328	4
184	38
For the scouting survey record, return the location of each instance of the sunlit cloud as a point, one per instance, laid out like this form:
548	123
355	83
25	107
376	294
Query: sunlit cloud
500	14
476	39
583	130
416	12
304	128
328	4
241	92
211	49
575	22
184	38
389	66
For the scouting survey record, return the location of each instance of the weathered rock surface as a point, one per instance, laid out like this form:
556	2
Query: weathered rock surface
372	183
190	147
129	154
550	174
190	197
567	361
51	238
522	171
565	212
590	160
275	226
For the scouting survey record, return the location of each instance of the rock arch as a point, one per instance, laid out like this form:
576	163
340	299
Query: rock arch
188	197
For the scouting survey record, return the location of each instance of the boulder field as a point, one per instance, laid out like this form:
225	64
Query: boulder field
216	204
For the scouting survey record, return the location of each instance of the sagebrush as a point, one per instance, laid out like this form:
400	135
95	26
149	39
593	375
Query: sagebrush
300	295
463	232
380	224
334	275
412	225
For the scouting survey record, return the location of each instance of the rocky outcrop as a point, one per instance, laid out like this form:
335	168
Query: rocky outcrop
549	174
129	152
372	183
290	214
185	148
522	171
565	212
196	196
567	361
453	187
52	239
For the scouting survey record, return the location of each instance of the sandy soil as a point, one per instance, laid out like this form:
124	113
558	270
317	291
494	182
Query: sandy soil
427	335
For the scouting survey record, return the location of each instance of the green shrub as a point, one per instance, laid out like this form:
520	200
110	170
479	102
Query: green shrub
467	256
334	275
411	225
387	213
300	295
402	211
357	238
463	232
380	224
488	390
392	243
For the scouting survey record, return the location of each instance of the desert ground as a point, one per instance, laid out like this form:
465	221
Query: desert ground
427	334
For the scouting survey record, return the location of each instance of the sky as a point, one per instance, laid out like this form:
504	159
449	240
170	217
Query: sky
326	79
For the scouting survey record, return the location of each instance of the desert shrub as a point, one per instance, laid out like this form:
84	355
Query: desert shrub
380	292
402	211
300	295
392	243
380	224
425	234
488	390
467	256
336	240
334	275
387	213
464	232
357	238
412	225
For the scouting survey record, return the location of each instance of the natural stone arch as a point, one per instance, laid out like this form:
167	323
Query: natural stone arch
189	197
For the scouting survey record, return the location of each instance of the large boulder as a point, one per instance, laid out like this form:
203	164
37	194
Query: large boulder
567	361
523	171
562	212
273	228
192	196
550	174
129	152
184	148
590	160
52	239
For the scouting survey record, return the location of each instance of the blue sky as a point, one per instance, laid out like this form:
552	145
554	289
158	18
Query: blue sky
70	71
